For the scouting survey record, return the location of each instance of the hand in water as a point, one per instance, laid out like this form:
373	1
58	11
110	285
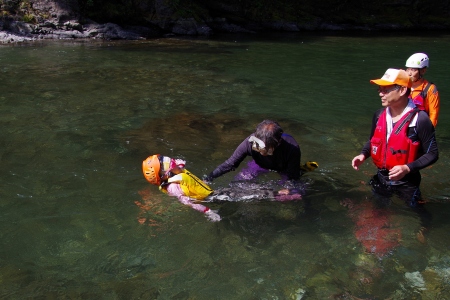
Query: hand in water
207	179
283	192
212	216
287	195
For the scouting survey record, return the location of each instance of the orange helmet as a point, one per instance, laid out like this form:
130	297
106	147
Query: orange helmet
151	167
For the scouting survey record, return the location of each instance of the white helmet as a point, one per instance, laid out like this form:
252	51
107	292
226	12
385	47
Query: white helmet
418	61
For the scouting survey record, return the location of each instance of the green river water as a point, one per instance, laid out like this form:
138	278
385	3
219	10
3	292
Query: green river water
79	221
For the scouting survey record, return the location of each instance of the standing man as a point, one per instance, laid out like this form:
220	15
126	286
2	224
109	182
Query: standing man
423	93
402	140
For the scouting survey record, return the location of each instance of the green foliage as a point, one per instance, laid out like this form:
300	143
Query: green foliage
22	10
29	18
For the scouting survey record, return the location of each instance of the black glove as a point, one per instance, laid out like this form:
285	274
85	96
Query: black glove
207	178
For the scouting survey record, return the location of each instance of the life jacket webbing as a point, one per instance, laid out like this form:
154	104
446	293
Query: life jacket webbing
412	113
425	90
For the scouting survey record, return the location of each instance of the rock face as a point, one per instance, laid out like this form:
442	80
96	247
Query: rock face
60	20
15	31
55	11
65	19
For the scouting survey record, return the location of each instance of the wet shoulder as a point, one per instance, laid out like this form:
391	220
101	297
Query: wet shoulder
289	139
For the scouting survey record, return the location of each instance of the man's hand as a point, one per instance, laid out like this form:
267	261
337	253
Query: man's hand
357	161
398	172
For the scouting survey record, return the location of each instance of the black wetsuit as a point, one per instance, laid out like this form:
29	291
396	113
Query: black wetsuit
285	158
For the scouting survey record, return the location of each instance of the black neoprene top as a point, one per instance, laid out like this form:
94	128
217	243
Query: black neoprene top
285	158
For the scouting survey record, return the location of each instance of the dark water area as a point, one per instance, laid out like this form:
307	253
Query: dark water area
79	221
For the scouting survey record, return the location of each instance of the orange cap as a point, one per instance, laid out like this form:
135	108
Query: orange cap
151	167
394	76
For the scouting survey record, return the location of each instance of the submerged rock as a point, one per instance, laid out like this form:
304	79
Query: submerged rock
415	280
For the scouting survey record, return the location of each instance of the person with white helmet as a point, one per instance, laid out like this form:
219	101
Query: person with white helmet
423	93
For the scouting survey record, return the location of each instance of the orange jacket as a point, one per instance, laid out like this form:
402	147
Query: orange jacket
431	101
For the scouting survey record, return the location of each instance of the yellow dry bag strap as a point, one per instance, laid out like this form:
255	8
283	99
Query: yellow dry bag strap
191	185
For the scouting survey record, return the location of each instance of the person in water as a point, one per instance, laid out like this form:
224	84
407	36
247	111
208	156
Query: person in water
402	140
424	94
270	149
173	179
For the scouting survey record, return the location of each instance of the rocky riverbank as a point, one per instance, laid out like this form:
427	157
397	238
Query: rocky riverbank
41	19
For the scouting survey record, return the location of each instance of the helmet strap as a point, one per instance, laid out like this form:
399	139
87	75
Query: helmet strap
422	72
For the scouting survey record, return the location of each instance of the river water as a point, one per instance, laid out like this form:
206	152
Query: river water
79	221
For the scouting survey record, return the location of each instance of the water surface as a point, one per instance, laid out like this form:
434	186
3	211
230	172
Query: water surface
79	221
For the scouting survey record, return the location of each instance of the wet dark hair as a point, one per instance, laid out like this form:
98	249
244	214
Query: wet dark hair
269	132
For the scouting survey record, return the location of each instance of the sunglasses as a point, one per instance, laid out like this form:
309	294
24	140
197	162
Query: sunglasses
385	91
260	146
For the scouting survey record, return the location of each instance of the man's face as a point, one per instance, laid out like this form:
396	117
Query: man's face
389	94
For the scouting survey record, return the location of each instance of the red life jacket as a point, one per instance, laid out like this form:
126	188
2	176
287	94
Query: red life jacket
400	149
419	100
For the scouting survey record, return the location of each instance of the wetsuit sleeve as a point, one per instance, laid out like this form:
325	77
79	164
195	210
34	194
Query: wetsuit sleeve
433	104
241	152
293	166
366	148
424	130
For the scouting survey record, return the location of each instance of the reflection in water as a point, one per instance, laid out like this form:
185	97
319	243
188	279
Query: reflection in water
149	204
373	228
